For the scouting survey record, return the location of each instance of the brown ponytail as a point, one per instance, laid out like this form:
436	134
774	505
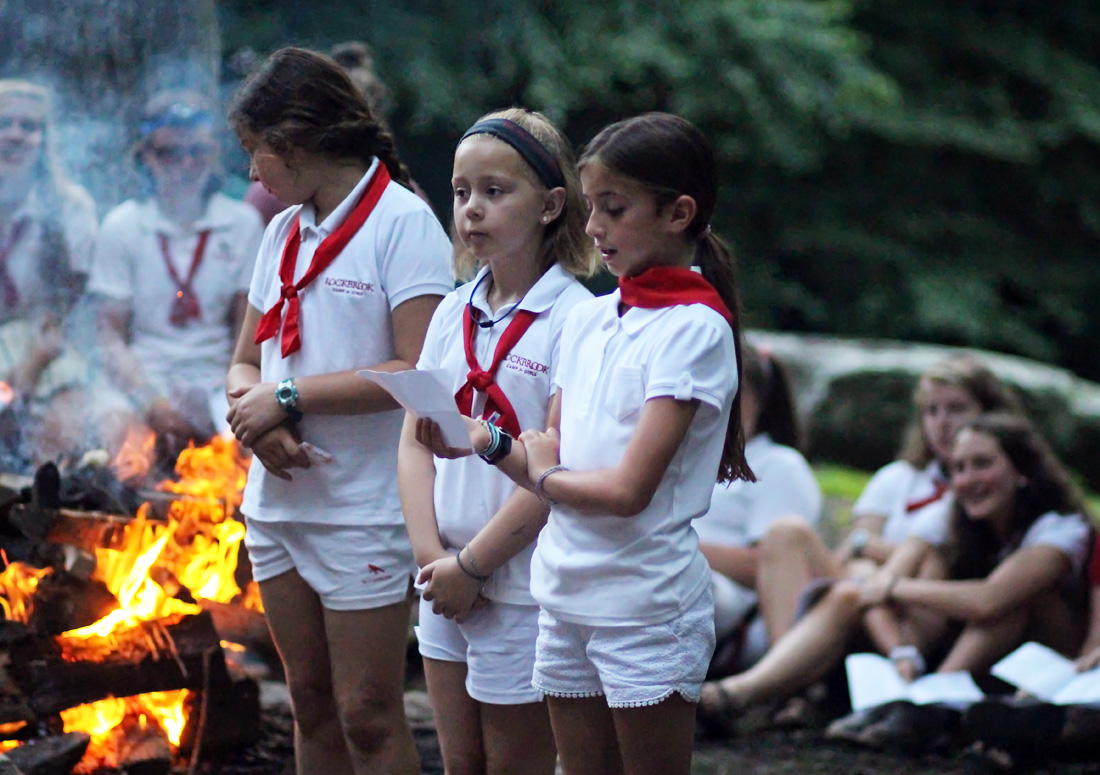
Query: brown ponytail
671	157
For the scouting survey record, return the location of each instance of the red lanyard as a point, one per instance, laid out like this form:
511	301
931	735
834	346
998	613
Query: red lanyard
484	380
325	254
8	292
185	307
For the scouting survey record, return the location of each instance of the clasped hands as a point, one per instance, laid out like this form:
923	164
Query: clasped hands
259	422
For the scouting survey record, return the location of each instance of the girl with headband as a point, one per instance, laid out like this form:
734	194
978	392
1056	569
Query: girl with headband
347	278
645	418
518	221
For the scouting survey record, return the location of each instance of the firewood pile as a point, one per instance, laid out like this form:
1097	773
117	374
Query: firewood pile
116	624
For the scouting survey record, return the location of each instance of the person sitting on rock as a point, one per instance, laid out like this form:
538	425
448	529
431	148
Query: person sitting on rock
793	555
1020	726
741	512
171	274
1005	556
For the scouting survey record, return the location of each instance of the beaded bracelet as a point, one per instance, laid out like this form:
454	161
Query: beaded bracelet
540	485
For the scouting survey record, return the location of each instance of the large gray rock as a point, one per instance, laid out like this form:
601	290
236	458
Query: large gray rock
855	397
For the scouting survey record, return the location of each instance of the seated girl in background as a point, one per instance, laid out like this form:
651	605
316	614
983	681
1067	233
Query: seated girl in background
1005	559
47	226
171	272
792	553
519	220
741	512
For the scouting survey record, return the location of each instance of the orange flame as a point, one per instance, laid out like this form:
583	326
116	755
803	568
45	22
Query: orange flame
17	585
135	456
198	546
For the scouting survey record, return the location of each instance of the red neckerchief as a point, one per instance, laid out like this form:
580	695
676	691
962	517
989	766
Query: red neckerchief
483	380
9	294
186	305
917	505
326	253
668	286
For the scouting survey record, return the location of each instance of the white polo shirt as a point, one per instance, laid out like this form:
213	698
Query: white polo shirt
77	224
741	512
129	267
1069	533
607	570
893	490
468	492
401	252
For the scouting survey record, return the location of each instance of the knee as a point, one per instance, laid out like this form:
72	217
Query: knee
845	598
314	706
786	537
370	722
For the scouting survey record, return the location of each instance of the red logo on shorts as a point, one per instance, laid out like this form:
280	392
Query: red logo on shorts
375	569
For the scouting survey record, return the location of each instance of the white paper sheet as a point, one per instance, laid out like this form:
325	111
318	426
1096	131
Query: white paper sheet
873	680
425	394
1046	674
1036	669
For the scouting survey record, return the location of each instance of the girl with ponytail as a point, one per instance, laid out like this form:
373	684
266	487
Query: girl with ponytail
346	279
645	419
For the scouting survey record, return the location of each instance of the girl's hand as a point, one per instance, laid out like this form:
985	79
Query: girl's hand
280	448
876	588
1088	661
430	435
907	669
451	591
543	451
254	410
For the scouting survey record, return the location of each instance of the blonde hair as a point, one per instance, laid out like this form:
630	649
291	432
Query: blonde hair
48	168
564	241
962	371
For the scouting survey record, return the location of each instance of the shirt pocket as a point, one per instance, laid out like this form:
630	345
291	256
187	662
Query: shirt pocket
625	392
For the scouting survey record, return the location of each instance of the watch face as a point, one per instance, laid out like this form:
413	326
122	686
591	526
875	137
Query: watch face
284	393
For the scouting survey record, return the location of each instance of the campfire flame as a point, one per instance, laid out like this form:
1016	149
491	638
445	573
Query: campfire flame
198	548
135	457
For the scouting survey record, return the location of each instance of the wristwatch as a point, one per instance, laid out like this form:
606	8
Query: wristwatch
858	540
287	395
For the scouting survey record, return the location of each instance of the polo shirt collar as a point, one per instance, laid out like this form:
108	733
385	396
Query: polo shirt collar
539	298
214	218
307	217
635	318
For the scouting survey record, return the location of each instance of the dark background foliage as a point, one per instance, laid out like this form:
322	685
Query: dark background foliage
918	169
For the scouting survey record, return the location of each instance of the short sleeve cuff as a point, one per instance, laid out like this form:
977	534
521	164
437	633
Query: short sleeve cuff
424	289
684	389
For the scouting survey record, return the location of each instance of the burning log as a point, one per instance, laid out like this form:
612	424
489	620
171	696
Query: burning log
55	755
58	673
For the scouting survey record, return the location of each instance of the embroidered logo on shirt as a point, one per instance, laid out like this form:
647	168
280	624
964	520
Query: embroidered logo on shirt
348	287
524	365
377	574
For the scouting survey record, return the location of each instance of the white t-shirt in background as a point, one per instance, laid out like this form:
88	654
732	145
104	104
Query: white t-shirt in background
608	570
468	492
895	492
129	266
400	253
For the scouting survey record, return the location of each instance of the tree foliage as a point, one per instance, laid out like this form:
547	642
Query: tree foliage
915	170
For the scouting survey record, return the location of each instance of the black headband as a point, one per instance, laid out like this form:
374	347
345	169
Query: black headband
527	145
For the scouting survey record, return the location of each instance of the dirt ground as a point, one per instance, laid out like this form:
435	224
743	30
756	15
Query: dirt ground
762	752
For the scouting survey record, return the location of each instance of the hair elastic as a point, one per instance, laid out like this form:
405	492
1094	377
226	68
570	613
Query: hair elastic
526	144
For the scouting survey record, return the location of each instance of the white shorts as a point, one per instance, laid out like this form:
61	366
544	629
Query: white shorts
350	567
497	643
631	666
